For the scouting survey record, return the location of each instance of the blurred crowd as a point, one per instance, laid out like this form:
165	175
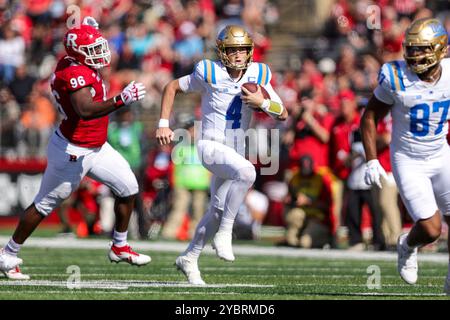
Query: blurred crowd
318	195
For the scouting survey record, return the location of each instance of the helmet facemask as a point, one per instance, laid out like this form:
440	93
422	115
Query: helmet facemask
234	36
97	54
224	57
429	56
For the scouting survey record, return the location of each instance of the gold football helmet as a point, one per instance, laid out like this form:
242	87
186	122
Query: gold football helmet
425	44
234	37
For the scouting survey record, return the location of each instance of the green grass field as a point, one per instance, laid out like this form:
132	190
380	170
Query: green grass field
249	277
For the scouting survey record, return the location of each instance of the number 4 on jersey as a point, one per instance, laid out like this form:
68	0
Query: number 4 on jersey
234	112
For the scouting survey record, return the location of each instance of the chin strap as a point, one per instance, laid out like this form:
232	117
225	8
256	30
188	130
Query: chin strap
272	108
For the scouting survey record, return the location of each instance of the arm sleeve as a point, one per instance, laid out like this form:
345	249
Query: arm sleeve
193	82
383	91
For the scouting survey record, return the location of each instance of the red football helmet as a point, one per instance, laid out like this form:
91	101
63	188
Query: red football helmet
86	45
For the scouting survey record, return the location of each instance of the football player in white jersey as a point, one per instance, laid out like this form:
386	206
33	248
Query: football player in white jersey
226	109
417	92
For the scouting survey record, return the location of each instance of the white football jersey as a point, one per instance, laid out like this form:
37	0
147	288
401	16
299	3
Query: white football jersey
420	110
223	112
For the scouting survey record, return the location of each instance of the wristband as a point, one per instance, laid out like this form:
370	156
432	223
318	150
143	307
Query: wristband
272	108
163	123
118	102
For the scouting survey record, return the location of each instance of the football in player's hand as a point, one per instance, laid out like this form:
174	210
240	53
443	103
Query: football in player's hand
253	87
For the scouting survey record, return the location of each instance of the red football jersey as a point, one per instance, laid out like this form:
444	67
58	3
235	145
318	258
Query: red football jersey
71	76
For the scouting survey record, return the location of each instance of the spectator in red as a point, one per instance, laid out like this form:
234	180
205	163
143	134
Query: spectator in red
340	150
312	129
156	188
344	125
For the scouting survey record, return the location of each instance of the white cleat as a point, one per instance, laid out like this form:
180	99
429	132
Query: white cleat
222	244
447	286
407	261
126	254
8	262
189	267
16	274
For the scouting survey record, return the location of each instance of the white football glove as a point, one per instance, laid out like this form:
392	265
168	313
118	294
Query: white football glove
133	92
90	22
374	171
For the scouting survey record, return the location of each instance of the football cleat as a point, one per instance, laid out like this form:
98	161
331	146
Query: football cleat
126	254
222	244
16	274
407	261
7	261
189	267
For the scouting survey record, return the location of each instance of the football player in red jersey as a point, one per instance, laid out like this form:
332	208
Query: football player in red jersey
79	147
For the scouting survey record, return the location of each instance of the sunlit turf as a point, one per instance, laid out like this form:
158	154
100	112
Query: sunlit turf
249	277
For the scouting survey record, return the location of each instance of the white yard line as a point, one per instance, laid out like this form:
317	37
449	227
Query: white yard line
122	292
396	294
160	246
123	284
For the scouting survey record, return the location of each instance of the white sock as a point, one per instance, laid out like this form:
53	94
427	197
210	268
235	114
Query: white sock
12	248
226	225
120	238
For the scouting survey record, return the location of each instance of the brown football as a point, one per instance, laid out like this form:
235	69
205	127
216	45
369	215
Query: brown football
253	87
